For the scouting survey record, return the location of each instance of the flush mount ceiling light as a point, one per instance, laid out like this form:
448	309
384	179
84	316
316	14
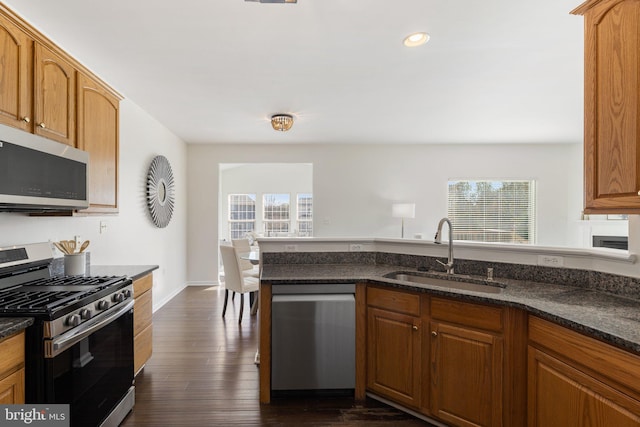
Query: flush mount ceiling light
282	122
415	39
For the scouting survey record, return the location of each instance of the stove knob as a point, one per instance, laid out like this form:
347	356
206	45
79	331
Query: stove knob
127	293
102	305
119	297
73	320
85	314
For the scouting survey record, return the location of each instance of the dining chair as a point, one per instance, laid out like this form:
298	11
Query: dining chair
234	280
248	269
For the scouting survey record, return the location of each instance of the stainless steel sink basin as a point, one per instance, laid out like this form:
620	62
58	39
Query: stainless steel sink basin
492	288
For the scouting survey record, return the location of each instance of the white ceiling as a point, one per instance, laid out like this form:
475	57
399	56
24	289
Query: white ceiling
214	71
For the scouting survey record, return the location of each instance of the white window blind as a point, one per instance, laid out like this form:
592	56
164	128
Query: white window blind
492	211
242	214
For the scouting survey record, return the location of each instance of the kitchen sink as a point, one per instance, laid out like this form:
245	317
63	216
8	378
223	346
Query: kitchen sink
461	283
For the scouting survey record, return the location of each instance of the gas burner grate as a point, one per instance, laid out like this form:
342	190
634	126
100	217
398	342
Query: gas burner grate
48	295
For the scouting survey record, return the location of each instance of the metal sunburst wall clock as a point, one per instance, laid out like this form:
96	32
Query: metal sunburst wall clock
160	191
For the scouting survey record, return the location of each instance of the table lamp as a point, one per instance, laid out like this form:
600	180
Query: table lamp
403	210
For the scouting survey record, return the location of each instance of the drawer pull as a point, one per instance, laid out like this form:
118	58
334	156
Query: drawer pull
434	333
415	328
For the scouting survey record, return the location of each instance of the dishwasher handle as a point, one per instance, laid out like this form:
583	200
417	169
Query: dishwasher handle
315	288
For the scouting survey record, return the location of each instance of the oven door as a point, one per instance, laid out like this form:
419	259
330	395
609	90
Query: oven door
92	369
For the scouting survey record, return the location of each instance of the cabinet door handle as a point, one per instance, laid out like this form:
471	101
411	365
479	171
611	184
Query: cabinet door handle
415	328
434	333
42	125
26	119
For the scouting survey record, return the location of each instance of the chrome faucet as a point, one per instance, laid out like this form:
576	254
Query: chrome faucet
438	240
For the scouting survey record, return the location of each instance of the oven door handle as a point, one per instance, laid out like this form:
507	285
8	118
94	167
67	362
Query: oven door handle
61	343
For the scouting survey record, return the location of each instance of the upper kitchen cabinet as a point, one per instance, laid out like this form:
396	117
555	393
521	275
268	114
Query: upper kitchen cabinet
97	132
54	96
16	82
612	102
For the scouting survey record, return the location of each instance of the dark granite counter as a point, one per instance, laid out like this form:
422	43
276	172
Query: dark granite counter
13	325
132	271
612	318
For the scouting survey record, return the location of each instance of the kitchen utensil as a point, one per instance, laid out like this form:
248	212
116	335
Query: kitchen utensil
65	245
84	246
72	245
60	247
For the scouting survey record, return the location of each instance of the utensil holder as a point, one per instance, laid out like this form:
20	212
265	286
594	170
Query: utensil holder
75	264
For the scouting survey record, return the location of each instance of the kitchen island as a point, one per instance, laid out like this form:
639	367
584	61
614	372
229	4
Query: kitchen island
427	348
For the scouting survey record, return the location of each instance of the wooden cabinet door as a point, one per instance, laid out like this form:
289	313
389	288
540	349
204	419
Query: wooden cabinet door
561	395
612	106
12	388
97	127
394	356
17	76
466	376
54	96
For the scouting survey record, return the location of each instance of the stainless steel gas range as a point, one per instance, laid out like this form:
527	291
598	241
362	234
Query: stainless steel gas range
79	351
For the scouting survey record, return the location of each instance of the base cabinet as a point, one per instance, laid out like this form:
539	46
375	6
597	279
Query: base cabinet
12	369
466	377
577	381
441	357
467	363
142	322
394	346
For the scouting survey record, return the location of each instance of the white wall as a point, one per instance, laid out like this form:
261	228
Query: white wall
355	185
131	238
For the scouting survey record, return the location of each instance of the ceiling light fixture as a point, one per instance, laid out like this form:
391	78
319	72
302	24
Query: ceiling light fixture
416	39
282	122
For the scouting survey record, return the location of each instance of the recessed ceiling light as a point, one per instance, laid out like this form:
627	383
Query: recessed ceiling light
415	39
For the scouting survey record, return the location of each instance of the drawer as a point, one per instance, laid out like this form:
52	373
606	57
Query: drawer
599	359
143	312
398	301
11	353
142	285
142	348
463	313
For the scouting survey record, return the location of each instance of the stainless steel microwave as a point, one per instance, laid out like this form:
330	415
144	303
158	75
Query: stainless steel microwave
39	175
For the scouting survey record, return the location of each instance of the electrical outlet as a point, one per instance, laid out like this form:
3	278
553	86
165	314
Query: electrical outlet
550	260
355	247
103	227
290	248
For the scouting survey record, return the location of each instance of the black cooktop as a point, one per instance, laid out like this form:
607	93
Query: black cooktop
56	296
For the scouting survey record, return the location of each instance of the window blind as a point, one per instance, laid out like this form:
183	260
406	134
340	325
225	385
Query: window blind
492	211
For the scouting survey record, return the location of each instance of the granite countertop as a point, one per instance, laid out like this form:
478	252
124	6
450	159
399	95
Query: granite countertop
13	325
132	271
611	318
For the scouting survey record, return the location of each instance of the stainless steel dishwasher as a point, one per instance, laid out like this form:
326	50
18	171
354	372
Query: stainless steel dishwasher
313	337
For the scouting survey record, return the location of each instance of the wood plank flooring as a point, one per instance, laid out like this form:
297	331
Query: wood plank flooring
202	373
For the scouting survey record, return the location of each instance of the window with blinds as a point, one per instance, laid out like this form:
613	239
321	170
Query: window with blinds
493	211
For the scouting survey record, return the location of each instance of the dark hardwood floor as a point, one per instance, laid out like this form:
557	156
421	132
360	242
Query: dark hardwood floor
202	373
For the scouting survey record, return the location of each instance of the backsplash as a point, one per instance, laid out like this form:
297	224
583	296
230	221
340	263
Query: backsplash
603	282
